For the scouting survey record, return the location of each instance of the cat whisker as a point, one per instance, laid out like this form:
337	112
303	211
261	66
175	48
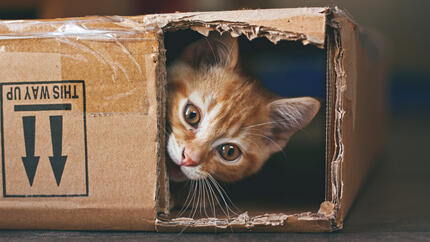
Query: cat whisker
210	197
261	124
188	184
199	199
199	205
255	145
278	121
228	197
271	140
184	208
226	212
195	205
216	198
211	200
305	131
193	198
202	195
188	199
224	197
203	200
212	50
213	194
193	201
226	48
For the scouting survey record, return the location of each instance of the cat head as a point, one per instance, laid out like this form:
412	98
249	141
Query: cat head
224	124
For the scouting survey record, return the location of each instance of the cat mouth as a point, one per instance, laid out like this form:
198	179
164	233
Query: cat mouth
175	172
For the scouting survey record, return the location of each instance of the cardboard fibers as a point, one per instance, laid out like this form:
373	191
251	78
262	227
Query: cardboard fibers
117	66
302	24
110	86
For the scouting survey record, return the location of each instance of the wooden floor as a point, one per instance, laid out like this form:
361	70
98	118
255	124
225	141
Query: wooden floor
394	206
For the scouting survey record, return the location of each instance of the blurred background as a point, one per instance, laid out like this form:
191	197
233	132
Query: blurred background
397	195
403	24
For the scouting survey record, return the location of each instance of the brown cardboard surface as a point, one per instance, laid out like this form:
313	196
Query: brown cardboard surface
110	135
274	25
354	85
303	24
113	134
360	108
273	216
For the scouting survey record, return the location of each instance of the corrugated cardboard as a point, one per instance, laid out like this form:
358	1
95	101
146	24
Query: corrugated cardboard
83	117
108	182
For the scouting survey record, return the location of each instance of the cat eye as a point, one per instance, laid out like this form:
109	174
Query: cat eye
192	115
229	152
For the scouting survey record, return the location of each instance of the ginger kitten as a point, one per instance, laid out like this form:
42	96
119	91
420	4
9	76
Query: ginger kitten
224	126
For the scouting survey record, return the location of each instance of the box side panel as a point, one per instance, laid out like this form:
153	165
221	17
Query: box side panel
88	159
359	110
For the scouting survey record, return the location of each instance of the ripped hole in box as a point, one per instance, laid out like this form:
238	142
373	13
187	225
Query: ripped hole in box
291	181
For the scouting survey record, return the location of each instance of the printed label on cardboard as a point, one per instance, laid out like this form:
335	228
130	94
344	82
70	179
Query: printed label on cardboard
43	138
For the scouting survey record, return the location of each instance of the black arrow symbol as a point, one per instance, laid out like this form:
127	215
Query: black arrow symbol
30	161
58	161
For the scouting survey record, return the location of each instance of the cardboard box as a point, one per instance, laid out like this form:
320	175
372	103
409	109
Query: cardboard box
83	119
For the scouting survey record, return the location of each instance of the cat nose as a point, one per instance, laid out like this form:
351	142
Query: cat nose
187	160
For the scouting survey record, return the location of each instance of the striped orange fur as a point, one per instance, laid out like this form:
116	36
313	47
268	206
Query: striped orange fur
236	114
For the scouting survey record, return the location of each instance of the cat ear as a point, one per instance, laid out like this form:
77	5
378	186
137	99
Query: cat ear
214	50
289	115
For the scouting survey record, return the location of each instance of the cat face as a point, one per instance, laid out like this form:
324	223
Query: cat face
223	124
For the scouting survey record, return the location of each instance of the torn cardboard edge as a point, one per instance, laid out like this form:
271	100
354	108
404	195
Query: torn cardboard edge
162	195
328	211
247	222
325	217
335	156
252	24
